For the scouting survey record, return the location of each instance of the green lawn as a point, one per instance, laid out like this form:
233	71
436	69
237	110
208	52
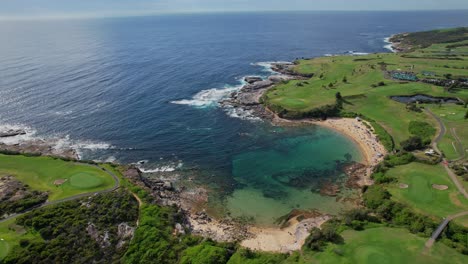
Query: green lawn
420	195
41	172
453	118
11	235
386	245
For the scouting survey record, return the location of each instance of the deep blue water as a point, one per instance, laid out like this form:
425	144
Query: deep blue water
112	80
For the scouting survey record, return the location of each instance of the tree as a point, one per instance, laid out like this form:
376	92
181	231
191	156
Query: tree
466	114
413	143
338	96
345	80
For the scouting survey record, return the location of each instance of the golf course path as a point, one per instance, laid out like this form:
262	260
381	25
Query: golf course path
459	144
441	228
442	131
74	197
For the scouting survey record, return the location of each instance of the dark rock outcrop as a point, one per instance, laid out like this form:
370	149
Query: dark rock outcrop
252	79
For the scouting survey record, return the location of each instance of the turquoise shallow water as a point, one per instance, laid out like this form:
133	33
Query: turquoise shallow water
288	173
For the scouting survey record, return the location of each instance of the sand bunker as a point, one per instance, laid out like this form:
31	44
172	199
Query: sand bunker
440	187
403	186
60	182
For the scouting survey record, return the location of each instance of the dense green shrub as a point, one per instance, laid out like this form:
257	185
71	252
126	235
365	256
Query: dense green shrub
205	253
401	158
423	130
375	195
64	230
413	143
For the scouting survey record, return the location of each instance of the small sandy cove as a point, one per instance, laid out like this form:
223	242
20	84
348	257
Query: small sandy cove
283	240
293	237
353	128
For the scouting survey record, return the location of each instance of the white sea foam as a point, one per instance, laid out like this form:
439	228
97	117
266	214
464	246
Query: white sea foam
209	98
389	45
350	52
268	65
57	142
30	133
164	168
357	53
241	113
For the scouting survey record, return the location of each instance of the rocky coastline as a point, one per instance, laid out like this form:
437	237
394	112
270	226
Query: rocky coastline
10	144
248	98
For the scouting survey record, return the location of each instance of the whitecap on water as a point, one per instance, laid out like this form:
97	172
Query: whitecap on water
389	45
57	142
163	168
209	98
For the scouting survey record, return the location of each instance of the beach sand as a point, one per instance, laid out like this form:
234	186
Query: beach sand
283	240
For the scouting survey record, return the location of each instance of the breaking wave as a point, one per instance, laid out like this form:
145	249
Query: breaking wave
56	142
210	97
389	45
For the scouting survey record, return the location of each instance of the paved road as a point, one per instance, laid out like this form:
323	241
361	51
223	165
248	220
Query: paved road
441	228
442	131
452	175
75	197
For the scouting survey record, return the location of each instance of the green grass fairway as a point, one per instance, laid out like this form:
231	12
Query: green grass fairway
420	195
386	245
453	118
4	248
41	172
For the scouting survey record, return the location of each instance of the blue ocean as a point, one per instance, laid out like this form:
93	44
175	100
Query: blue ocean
147	88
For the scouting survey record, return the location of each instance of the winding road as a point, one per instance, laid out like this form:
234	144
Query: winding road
452	175
74	197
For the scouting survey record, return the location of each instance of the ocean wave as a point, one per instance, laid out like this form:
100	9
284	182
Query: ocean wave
29	135
389	45
210	97
356	53
350	53
241	113
267	66
56	142
163	168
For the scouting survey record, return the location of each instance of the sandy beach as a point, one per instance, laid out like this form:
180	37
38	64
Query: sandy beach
373	151
283	240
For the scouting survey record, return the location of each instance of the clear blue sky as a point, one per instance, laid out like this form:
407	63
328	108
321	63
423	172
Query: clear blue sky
73	8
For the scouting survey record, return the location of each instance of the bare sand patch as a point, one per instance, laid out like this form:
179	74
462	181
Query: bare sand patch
288	239
440	187
403	186
60	182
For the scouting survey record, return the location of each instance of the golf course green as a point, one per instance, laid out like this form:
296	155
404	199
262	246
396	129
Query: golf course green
420	194
384	245
41	173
